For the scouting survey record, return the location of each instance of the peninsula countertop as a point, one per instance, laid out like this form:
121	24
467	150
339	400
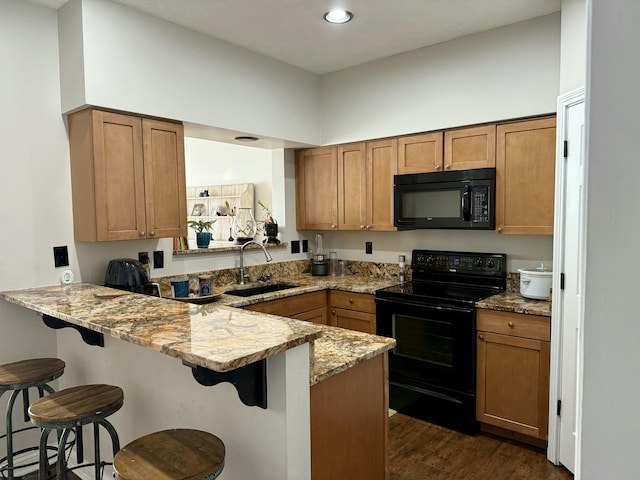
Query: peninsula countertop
216	335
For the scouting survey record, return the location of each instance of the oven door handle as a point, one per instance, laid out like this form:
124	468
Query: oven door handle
449	308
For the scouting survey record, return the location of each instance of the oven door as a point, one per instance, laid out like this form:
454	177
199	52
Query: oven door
435	345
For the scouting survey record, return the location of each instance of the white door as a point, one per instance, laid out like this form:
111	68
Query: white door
572	313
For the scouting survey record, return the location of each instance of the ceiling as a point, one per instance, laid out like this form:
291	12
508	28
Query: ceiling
294	32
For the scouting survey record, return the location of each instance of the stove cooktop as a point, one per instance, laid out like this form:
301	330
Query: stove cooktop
437	292
442	277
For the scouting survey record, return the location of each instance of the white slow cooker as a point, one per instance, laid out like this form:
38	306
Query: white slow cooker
536	283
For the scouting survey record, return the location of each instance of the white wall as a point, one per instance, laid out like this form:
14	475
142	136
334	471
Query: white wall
504	73
523	251
35	203
138	63
611	326
160	393
573	46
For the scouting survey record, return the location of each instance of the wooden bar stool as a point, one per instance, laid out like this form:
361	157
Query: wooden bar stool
68	410
18	377
180	454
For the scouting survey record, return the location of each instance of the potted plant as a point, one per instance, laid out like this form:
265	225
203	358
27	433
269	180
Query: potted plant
270	224
203	231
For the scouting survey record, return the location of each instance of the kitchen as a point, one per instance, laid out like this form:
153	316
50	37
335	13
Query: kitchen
49	210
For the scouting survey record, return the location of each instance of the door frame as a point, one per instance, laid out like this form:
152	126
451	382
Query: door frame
565	101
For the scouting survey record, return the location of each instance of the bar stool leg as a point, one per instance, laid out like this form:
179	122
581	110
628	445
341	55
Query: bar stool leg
61	467
44	460
96	449
9	423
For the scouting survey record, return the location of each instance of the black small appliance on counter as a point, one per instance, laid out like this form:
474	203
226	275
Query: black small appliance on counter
129	274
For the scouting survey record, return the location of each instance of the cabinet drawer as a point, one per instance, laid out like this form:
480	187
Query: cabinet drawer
360	302
290	306
514	324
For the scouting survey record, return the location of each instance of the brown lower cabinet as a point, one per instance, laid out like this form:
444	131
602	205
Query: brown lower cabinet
311	307
350	425
349	411
513	372
355	311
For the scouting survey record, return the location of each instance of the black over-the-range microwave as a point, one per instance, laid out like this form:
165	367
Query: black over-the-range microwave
457	199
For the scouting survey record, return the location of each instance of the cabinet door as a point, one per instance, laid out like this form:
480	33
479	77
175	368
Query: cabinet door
118	178
353	320
165	187
513	383
319	315
349	414
382	165
352	186
420	153
467	148
317	189
525	177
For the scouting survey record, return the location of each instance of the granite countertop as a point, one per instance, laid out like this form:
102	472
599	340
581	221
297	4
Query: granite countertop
217	335
219	338
516	303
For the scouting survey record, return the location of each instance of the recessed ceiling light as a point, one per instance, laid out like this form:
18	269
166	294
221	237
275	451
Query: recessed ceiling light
246	139
338	16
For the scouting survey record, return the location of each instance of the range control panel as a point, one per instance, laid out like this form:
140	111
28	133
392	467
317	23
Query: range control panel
493	264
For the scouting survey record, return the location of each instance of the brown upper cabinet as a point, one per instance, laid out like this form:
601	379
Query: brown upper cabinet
349	187
473	147
459	149
127	177
525	176
420	153
317	189
365	185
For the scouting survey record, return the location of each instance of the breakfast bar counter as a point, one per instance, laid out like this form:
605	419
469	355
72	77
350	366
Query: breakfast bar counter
219	338
316	378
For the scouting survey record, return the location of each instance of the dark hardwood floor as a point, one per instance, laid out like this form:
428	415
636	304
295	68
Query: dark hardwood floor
419	450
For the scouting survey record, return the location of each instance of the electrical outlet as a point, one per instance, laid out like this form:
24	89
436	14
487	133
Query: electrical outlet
368	248
305	245
144	258
61	256
295	246
158	259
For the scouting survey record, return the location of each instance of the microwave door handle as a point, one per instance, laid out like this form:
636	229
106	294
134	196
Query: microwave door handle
466	203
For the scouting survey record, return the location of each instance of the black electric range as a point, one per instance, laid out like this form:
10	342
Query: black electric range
433	319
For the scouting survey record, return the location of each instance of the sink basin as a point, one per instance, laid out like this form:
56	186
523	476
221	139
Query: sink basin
249	292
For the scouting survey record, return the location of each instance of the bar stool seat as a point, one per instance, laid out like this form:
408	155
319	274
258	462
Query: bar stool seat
18	377
179	454
68	410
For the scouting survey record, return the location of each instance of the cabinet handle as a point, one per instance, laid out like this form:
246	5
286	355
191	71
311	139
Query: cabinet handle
152	233
510	324
361	227
143	233
437	167
333	226
351	300
333	312
499	229
447	167
480	337
368	227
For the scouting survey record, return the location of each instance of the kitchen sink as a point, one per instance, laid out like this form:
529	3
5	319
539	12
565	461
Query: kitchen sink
249	292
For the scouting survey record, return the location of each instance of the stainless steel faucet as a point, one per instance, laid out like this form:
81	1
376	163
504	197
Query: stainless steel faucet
266	255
